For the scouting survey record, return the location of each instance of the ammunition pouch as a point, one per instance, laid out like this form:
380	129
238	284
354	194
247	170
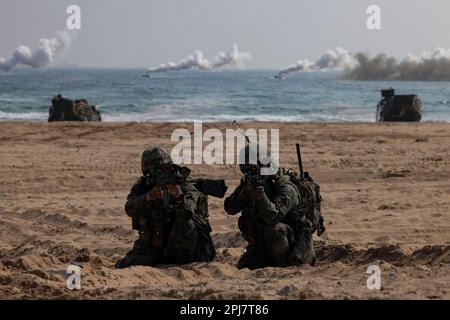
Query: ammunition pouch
153	229
157	235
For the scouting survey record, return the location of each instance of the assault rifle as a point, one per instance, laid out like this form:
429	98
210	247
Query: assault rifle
173	174
166	175
253	176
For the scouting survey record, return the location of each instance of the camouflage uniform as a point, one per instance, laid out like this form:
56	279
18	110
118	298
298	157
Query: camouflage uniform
179	234
278	234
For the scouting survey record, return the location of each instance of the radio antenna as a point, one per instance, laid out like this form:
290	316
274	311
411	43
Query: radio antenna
299	158
240	130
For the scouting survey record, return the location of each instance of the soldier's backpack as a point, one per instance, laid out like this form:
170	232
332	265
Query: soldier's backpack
311	199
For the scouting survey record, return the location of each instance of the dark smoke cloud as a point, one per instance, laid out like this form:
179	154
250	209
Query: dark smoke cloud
430	66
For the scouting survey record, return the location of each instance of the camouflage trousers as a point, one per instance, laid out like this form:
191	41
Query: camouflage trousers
187	242
277	245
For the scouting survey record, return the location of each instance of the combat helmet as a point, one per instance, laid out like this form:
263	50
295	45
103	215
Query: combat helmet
154	157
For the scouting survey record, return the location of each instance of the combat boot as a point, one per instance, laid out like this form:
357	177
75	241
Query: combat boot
141	255
251	258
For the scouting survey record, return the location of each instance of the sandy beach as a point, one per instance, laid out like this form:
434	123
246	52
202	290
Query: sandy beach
386	202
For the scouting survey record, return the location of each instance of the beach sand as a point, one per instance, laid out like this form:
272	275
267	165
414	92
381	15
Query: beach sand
386	201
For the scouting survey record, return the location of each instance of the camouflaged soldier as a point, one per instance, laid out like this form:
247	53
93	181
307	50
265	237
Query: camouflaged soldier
170	214
277	232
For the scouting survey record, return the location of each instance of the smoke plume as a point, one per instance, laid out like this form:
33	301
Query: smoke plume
430	66
39	58
361	66
332	59
198	61
233	57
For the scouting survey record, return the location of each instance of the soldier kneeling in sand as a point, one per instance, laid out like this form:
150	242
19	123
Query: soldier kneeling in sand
170	213
276	219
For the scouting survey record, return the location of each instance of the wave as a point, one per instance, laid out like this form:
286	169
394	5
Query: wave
17	100
28	116
149	117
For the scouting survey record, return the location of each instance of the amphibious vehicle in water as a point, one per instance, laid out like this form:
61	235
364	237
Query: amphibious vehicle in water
64	109
392	107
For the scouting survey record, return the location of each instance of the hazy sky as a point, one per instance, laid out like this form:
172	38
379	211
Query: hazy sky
144	33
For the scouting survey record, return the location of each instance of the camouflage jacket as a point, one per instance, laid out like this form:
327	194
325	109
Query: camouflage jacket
145	213
282	197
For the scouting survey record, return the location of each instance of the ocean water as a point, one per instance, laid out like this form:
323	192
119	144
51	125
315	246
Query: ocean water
124	95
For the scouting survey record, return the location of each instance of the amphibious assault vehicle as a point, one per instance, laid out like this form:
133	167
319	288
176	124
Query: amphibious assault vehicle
392	107
64	109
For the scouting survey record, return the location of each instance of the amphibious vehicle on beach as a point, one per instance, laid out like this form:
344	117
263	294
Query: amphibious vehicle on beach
64	109
392	107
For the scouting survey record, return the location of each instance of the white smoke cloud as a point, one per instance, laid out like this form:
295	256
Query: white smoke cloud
234	57
336	59
198	61
39	58
332	59
360	66
300	65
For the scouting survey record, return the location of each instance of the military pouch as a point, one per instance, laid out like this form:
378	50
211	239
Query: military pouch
157	236
157	239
